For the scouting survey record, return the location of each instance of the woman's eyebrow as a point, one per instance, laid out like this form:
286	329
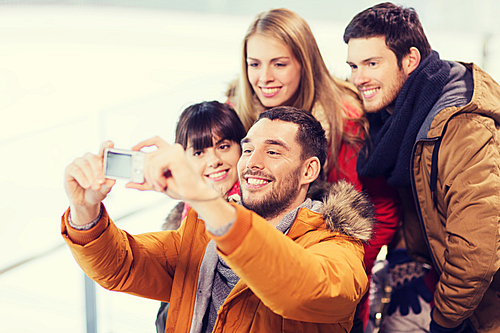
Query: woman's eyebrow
221	140
272	60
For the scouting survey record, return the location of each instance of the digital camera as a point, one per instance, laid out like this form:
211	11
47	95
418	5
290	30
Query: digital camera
124	164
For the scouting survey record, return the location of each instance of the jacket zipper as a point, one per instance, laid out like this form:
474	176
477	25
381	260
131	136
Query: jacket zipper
417	203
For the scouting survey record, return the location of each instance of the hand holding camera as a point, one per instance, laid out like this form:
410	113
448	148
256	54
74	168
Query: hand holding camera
90	178
167	170
86	185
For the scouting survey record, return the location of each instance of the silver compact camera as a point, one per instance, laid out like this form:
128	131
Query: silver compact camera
124	164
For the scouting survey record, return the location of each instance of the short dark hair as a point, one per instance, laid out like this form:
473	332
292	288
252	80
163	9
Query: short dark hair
399	25
200	123
310	135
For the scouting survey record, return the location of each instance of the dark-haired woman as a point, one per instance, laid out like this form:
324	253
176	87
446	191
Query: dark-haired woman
210	133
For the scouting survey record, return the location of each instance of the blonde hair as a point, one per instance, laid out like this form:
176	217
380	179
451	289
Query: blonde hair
317	87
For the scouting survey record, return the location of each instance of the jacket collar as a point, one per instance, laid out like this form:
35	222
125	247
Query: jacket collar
479	94
344	210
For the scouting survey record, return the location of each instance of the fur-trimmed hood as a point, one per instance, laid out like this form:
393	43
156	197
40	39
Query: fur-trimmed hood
345	209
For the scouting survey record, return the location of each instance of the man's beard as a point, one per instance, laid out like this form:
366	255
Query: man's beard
391	93
274	203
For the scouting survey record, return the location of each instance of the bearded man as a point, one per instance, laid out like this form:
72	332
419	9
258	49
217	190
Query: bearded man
279	262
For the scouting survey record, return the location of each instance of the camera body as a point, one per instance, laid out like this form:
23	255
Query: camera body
124	164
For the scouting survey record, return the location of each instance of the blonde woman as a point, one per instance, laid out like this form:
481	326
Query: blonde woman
282	65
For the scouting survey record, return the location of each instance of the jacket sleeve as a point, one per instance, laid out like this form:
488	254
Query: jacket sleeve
322	283
469	179
119	261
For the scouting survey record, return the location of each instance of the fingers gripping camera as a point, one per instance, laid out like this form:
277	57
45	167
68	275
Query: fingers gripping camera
124	164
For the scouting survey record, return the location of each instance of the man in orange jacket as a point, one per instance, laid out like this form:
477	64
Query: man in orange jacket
279	262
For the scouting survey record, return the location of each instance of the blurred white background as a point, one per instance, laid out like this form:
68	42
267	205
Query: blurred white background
76	73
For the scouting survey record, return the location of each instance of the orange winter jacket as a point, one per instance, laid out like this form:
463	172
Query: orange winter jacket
309	280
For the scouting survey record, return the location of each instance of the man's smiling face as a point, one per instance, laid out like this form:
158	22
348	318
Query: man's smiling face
375	72
270	167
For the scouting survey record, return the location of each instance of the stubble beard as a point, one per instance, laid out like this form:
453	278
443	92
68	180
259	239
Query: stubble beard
391	93
279	199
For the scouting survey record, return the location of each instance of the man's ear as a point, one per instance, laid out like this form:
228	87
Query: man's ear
311	170
411	60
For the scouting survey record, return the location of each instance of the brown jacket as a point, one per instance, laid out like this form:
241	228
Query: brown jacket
460	218
309	280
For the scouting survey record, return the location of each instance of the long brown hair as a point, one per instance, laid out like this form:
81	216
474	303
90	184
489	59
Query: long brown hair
317	88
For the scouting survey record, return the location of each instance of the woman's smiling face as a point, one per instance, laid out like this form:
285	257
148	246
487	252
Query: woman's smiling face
217	164
273	71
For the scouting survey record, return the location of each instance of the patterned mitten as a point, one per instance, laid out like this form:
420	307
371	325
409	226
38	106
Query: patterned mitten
407	278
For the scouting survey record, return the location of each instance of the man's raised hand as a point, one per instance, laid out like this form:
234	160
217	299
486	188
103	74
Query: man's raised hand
167	170
86	185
